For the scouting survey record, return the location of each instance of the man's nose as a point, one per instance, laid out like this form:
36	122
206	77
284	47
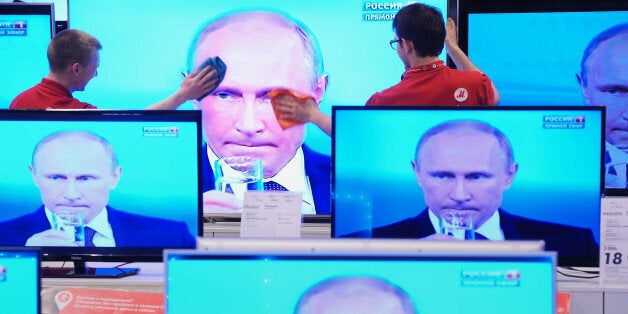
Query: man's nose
460	191
249	116
71	190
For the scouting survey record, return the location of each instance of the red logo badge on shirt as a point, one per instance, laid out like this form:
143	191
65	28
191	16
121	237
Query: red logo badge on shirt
461	94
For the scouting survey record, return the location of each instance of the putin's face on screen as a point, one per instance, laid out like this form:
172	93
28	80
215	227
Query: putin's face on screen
463	169
238	118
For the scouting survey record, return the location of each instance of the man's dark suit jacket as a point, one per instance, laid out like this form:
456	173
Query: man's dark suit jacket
129	230
317	168
573	244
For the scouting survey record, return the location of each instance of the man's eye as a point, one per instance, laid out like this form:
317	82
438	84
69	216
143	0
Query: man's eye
616	91
55	178
442	176
224	95
265	98
477	176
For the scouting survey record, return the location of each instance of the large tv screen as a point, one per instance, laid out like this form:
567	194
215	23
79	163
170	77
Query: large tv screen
25	31
379	180
361	282
145	47
132	177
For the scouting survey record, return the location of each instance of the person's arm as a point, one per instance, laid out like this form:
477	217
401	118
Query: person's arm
307	111
194	85
460	59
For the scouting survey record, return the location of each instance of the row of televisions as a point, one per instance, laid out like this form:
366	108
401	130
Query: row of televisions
522	78
254	276
560	152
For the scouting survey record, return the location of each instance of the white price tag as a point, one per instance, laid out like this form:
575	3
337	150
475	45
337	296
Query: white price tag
614	240
268	214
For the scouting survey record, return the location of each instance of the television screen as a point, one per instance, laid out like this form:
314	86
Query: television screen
550	185
20	280
145	47
360	282
535	55
100	185
25	31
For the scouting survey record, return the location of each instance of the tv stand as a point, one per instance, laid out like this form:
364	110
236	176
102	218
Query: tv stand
80	270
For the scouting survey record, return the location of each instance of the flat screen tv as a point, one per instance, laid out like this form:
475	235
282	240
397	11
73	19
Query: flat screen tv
535	54
378	181
133	175
20	280
145	47
60	10
25	31
293	281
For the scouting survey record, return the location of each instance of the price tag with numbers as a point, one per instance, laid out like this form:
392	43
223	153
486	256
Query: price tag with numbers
614	240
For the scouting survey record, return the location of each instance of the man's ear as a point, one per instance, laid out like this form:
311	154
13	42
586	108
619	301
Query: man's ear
415	168
582	88
321	87
115	177
511	173
407	46
32	171
75	69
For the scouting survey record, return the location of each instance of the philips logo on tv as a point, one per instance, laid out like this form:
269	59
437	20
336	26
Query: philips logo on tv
160	131
563	122
13	28
382	11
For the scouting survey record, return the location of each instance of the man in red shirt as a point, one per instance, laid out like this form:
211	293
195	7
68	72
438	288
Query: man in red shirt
73	57
420	35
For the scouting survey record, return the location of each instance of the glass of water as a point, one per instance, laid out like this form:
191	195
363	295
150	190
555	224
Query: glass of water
458	224
71	223
239	174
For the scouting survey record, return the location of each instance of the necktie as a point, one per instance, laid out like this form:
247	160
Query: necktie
274	186
89	236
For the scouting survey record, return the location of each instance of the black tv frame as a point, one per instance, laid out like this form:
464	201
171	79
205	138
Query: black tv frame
80	255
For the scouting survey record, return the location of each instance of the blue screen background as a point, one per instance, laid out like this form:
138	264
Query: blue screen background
558	178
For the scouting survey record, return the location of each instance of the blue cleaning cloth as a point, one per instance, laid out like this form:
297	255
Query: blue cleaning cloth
220	67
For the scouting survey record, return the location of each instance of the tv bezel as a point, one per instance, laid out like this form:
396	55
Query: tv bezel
80	255
562	261
23	8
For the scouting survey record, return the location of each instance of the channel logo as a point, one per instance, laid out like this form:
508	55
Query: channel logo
13	28
563	122
373	11
160	131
